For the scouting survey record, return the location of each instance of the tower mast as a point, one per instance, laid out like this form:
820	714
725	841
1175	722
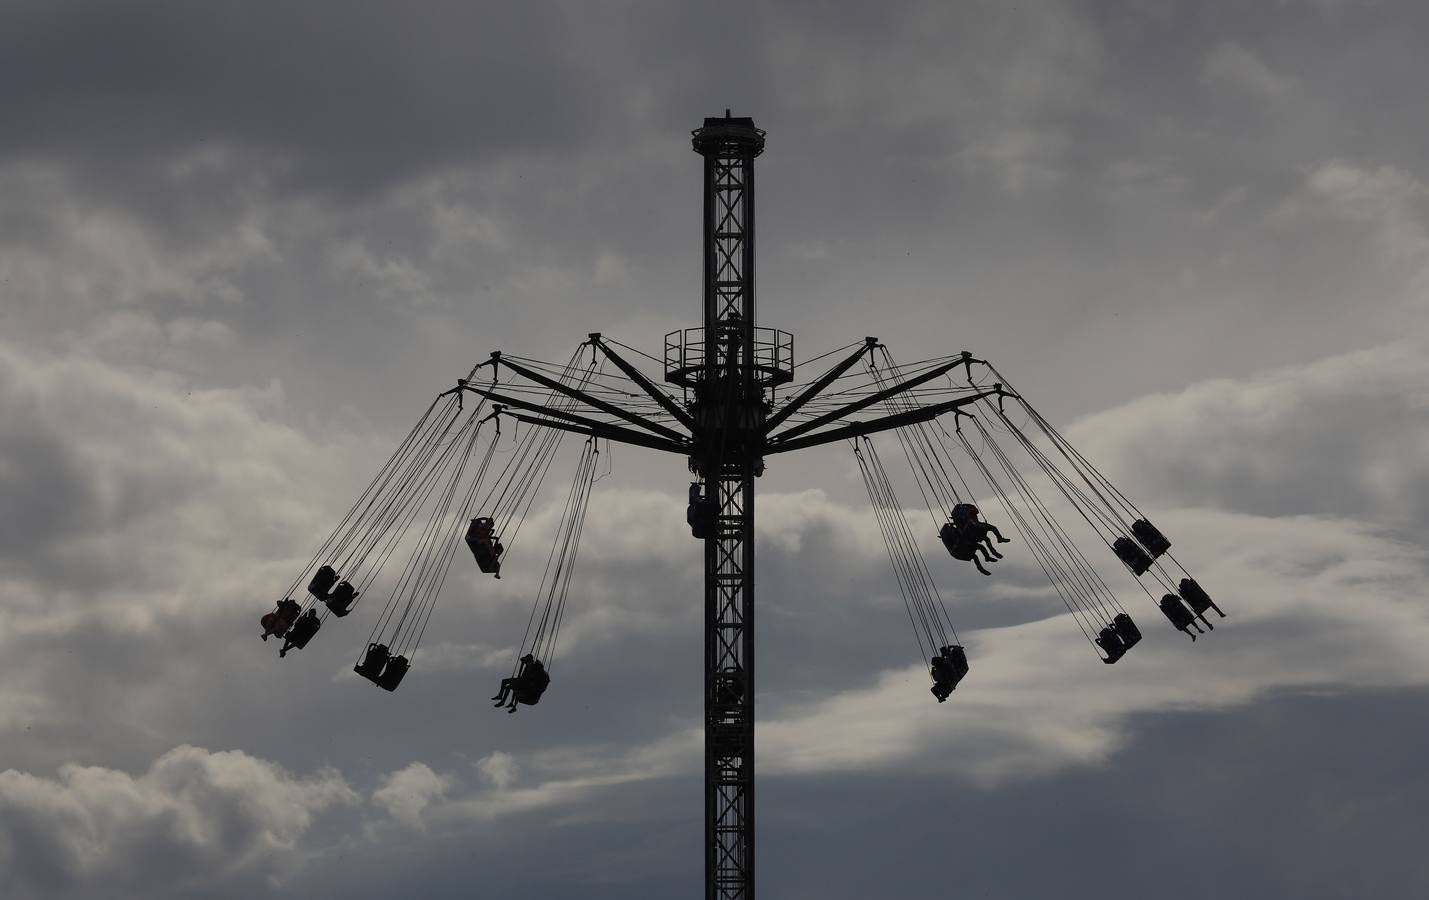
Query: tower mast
729	409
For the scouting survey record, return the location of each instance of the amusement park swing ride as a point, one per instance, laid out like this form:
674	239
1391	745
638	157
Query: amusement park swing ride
727	396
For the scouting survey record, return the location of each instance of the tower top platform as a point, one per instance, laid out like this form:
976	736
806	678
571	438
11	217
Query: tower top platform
718	133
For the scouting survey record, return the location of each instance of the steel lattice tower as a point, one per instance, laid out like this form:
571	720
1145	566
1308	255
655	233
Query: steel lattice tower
729	407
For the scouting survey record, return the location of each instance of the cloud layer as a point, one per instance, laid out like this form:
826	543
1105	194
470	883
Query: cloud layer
239	252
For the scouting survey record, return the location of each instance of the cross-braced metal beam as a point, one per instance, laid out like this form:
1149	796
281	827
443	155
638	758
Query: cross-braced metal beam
729	410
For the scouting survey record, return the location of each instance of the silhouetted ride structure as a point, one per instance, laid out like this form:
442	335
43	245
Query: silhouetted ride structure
731	397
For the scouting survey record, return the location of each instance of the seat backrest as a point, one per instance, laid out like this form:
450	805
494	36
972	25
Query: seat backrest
1194	595
323	579
1131	554
1179	615
1150	537
1126	628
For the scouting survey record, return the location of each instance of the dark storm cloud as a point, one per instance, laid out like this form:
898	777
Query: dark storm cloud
344	92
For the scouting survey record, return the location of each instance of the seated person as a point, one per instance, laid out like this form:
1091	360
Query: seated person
700	514
373	662
1109	639
965	517
301	632
1199	601
964	546
485	546
947	669
1179	615
1150	537
281	619
393	673
341	599
1126	629
527	686
1129	552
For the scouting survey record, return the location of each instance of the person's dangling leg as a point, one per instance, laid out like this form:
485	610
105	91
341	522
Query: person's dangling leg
501	695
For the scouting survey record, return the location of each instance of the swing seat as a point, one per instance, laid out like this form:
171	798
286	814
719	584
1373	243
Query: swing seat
942	679
393	673
1135	558
304	629
487	556
1178	614
954	661
531	684
281	618
322	582
1126	630
372	662
957	542
1150	537
957	658
1110	641
701	515
484	546
341	599
1197	598
273	624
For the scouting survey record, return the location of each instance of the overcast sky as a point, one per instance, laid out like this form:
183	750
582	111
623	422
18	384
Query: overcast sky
242	245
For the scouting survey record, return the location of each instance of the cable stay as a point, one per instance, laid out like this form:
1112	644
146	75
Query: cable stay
425	494
393	643
1117	521
298	620
938	641
530	675
1086	596
926	447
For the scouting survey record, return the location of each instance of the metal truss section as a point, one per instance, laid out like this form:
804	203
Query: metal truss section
729	405
729	697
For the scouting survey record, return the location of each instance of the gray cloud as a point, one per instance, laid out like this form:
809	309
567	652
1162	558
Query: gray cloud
240	249
193	818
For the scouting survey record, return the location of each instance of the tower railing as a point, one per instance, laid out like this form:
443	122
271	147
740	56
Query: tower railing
773	353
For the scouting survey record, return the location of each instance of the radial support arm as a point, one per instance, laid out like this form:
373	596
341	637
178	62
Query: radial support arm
582	424
778	443
582	396
609	432
817	387
649	387
898	420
